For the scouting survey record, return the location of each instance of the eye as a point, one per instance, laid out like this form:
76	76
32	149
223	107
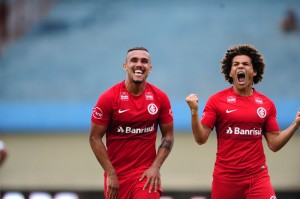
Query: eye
145	61
134	60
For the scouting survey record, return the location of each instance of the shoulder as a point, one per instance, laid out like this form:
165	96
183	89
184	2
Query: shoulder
155	89
218	95
258	95
114	89
112	93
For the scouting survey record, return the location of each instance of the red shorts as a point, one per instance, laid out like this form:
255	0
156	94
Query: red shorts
257	187
132	188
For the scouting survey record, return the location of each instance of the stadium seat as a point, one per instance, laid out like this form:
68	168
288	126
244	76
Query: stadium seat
39	195
66	195
166	197
13	195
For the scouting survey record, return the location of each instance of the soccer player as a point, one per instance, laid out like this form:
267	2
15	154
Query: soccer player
241	116
129	114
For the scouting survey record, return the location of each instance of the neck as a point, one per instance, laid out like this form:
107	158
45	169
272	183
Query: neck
243	91
135	88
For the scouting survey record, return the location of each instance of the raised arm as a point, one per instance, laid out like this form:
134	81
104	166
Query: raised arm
276	139
200	132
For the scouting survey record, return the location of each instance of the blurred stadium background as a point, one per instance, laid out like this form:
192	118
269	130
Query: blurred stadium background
57	56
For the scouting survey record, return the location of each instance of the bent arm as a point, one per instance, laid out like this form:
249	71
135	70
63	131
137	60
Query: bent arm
153	173
201	132
276	139
167	141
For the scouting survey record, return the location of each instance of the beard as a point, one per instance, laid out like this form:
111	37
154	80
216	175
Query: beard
137	82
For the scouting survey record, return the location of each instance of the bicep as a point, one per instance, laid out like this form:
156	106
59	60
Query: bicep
97	130
271	137
167	130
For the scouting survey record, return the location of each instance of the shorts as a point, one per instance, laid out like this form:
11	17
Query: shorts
132	188
257	187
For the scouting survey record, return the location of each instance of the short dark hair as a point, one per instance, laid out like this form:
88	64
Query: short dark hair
137	48
256	58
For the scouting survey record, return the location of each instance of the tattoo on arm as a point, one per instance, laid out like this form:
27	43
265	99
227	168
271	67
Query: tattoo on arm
167	144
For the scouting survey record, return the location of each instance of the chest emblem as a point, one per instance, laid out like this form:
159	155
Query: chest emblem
149	96
261	112
124	96
152	109
231	99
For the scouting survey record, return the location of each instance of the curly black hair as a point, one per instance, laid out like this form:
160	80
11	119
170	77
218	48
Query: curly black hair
257	61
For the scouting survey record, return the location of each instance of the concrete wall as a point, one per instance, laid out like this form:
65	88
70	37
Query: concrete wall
65	161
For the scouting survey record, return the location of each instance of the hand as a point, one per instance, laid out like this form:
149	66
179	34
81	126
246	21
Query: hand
153	179
192	101
112	186
297	119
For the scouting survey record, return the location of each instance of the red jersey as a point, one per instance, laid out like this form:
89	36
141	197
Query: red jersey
132	124
240	123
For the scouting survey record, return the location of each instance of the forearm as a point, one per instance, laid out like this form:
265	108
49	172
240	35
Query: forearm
100	152
286	135
163	151
198	131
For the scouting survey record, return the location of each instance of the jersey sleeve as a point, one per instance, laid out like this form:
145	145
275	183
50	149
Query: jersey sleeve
209	115
166	110
271	123
103	109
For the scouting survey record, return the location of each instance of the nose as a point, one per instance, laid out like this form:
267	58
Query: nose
241	65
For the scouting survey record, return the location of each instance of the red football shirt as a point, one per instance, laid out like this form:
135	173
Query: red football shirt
132	123
240	122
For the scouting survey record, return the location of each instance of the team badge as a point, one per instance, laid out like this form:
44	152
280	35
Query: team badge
152	109
97	113
231	99
149	96
261	112
124	96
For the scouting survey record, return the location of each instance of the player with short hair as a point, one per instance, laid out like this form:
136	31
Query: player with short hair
241	116
129	114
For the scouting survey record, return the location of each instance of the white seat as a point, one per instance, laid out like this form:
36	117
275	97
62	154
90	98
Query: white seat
166	197
13	195
39	195
198	197
66	195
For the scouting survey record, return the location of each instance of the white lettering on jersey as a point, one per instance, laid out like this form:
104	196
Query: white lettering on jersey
239	131
152	109
129	129
261	112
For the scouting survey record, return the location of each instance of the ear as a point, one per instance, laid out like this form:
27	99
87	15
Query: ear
150	69
255	73
125	67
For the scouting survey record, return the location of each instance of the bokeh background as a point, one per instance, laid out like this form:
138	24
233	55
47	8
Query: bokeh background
58	56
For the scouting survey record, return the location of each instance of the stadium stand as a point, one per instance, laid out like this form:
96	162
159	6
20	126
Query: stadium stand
76	52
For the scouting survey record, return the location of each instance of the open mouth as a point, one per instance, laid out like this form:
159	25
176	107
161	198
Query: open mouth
241	76
138	72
